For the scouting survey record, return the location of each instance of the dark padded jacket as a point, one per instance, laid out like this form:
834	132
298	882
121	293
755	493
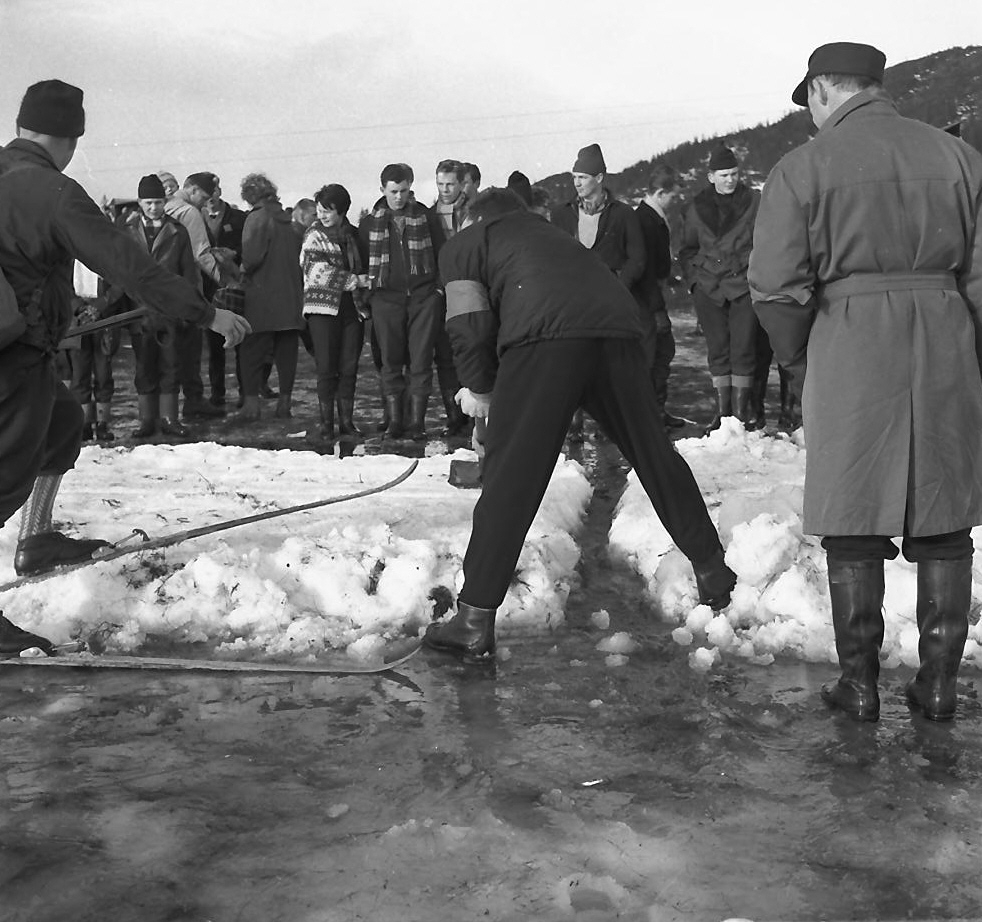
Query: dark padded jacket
516	279
46	222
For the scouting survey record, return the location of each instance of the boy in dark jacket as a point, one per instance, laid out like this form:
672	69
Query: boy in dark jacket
549	331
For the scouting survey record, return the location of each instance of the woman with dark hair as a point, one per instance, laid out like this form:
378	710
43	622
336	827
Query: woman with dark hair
334	305
273	296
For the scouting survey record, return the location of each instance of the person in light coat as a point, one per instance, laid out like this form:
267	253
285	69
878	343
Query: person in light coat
867	270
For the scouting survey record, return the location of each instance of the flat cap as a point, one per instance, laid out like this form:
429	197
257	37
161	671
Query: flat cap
841	58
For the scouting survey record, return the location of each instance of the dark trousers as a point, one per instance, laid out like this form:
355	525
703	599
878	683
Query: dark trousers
253	353
406	329
215	344
92	371
155	349
446	373
955	545
337	341
658	343
537	389
40	424
190	339
731	334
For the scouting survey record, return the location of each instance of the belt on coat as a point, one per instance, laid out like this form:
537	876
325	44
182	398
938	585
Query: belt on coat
868	283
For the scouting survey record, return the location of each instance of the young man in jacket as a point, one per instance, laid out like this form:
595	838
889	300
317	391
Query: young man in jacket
548	332
605	226
658	341
403	240
717	234
867	260
46	222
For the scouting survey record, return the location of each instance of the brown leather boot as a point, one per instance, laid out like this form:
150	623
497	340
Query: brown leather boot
470	632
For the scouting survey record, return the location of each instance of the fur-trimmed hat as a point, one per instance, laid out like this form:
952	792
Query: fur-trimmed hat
722	159
53	107
150	187
590	160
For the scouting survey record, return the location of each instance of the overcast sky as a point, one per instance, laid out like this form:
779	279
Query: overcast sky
318	91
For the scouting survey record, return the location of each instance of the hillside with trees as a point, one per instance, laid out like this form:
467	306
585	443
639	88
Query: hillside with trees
941	89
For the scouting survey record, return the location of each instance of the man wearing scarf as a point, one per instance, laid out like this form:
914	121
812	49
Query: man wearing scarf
404	239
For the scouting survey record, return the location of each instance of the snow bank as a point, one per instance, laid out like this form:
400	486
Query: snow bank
753	486
345	576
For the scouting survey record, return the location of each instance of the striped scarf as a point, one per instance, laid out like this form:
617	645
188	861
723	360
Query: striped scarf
415	235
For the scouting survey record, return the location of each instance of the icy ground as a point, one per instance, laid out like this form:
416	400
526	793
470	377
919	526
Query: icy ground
355	575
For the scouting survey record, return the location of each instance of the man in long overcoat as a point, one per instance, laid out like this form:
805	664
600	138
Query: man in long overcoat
867	261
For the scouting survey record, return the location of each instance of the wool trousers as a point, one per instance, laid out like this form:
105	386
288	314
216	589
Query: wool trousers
731	334
406	327
538	388
40	424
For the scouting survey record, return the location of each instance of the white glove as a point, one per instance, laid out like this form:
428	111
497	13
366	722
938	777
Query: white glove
476	405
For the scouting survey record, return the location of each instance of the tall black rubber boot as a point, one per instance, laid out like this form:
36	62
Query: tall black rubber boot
417	417
724	407
322	438
393	411
346	422
788	418
856	590
742	410
944	596
470	632
457	420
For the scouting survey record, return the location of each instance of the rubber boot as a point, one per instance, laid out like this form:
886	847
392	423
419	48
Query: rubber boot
417	417
758	395
393	411
788	418
856	590
149	407
742	406
284	406
13	640
249	412
724	407
457	420
346	423
714	581
944	596
87	425
170	424
470	632
102	416
383	424
323	437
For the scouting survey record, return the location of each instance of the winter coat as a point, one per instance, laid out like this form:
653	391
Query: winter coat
271	262
619	242
868	251
714	252
46	222
171	249
517	279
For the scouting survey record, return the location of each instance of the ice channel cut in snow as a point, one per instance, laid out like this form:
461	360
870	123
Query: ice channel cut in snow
753	485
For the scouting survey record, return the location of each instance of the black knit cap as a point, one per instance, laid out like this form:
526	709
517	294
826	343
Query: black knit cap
519	183
722	159
841	58
204	181
150	187
53	107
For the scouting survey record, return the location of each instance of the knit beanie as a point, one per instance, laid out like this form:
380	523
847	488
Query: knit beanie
722	159
204	181
590	160
150	187
519	184
53	107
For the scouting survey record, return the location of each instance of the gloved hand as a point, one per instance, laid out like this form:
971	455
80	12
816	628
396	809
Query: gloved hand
476	405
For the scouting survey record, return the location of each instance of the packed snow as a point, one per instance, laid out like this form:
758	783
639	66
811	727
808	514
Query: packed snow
357	575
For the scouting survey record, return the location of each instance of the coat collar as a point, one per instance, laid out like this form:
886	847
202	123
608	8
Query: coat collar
31	150
869	100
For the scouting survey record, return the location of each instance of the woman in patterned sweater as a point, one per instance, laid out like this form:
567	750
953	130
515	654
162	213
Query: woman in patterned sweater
334	304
